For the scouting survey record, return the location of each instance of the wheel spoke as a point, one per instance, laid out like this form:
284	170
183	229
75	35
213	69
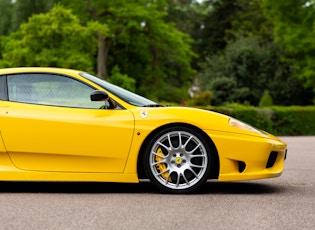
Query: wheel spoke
195	156
186	143
197	166
164	146
158	162
160	173
190	152
159	155
179	139
169	141
178	179
193	172
167	179
186	180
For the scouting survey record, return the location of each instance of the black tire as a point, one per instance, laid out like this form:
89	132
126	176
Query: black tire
177	160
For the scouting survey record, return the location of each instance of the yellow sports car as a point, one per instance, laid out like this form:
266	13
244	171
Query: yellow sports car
66	125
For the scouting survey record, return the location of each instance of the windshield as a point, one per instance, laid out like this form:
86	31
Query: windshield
125	95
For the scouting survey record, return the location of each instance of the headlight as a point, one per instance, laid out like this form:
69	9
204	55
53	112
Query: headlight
241	125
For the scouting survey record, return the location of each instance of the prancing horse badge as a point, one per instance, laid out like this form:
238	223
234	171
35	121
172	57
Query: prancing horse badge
144	113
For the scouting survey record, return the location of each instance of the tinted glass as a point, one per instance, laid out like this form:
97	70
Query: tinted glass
50	89
123	94
2	88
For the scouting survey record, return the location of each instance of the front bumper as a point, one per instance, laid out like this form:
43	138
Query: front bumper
246	157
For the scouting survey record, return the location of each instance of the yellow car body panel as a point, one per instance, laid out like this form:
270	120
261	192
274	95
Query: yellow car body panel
59	139
51	143
255	156
233	145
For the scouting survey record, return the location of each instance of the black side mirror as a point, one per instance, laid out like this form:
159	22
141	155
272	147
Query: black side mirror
99	95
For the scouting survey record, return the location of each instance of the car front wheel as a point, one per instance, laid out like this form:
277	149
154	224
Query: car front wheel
177	160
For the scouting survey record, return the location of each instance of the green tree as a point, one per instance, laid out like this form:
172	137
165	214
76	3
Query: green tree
53	39
247	55
222	90
294	29
201	99
252	68
122	80
129	19
14	13
140	42
24	9
249	20
216	21
184	13
266	99
6	10
188	17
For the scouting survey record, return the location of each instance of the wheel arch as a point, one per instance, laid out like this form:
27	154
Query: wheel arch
215	167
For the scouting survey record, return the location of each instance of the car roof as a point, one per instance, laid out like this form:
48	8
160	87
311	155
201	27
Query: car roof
38	69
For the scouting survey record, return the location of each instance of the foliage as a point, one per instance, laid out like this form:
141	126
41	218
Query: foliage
266	99
294	28
294	120
140	41
170	94
6	10
54	39
249	20
225	90
14	13
247	68
122	80
188	16
163	52
214	26
201	99
24	9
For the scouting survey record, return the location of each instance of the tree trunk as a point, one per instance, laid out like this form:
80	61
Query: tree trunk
101	58
102	55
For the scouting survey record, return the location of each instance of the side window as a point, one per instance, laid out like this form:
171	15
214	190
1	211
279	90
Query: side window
2	88
50	89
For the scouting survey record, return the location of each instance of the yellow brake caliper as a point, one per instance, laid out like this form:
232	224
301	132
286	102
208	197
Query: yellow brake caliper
161	166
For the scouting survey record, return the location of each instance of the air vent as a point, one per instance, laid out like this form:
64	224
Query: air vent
241	166
272	159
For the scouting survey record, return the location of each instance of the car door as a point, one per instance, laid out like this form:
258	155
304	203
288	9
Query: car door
50	124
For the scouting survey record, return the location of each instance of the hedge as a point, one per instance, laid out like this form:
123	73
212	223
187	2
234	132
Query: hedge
281	121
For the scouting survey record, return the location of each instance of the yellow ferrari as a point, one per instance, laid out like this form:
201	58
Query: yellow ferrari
67	125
